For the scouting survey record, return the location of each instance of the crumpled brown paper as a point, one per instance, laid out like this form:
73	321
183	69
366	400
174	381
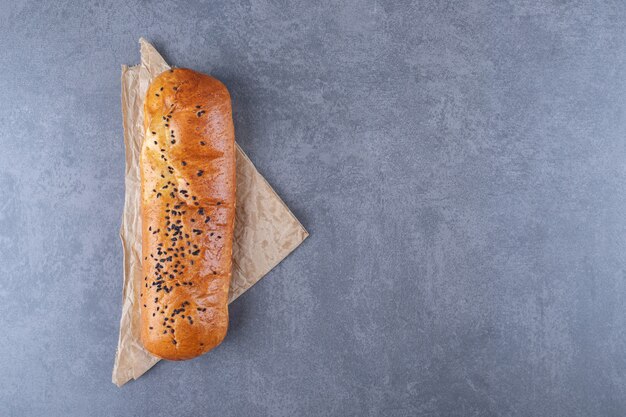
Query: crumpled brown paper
265	230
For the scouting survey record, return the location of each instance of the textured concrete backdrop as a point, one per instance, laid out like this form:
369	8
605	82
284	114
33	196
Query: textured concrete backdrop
460	165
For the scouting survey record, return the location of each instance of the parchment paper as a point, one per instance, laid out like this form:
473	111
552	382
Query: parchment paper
265	230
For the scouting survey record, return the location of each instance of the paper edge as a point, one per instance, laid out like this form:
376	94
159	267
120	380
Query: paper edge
117	378
293	216
291	249
114	376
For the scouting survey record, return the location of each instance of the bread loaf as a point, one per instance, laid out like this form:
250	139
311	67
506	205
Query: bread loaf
187	213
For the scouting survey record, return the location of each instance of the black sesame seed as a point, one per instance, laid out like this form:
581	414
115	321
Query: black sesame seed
200	172
202	143
183	163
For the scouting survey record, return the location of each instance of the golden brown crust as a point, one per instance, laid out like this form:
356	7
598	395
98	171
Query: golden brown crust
187	212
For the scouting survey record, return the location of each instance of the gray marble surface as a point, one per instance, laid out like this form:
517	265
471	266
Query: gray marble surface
460	165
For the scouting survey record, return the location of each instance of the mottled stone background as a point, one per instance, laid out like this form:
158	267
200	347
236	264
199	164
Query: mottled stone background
461	167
